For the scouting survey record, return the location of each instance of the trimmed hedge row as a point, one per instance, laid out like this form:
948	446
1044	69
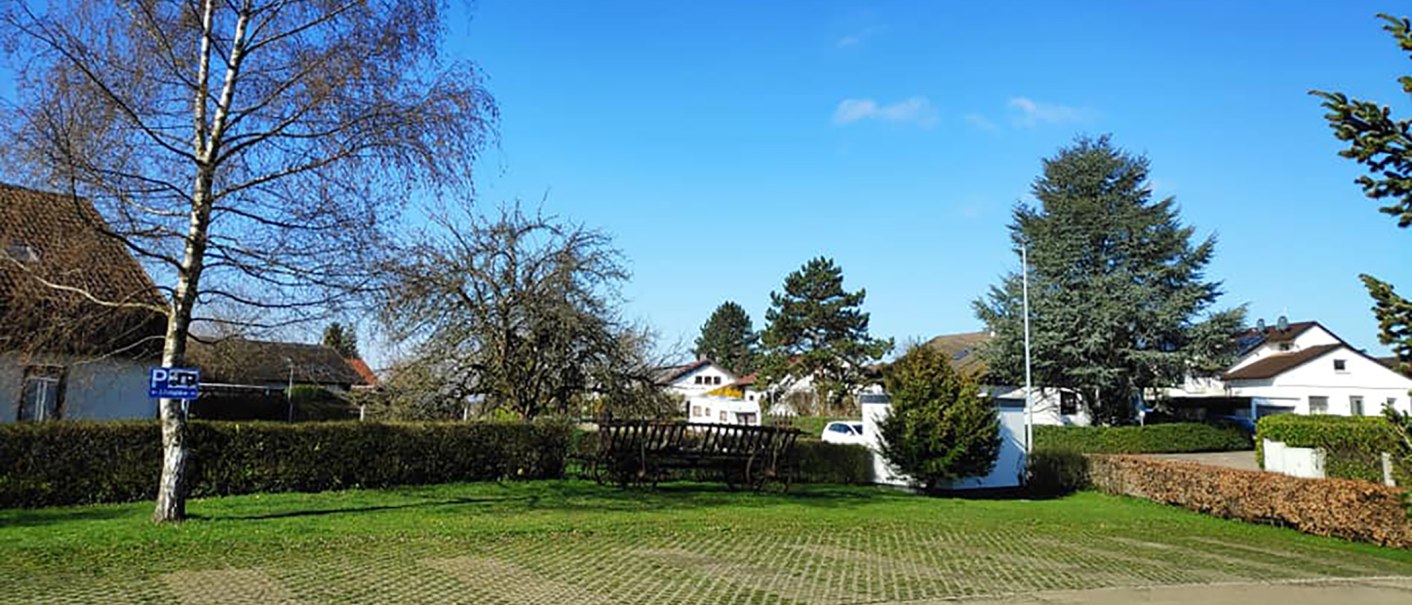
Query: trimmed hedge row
1353	445
1151	439
819	462
1354	510
64	463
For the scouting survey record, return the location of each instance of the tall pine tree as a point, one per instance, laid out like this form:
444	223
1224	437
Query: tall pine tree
1118	297
1384	145
816	329
342	339
728	338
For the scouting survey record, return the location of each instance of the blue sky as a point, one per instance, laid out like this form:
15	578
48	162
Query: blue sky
725	143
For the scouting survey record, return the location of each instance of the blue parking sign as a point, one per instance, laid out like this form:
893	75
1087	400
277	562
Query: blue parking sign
173	383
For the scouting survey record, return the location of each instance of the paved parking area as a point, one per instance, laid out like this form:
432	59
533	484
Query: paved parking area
1238	460
1374	591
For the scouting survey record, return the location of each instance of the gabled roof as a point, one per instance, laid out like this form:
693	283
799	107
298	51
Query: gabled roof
670	374
963	351
1275	365
256	362
744	381
63	240
361	368
1249	340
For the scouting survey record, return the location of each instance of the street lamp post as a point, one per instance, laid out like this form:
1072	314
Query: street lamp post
289	392
1029	387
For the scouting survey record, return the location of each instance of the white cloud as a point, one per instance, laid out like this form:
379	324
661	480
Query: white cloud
979	122
858	37
914	110
1028	113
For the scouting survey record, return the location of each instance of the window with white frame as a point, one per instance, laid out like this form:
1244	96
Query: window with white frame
1340	365
42	394
1318	404
1355	405
1390	404
699	379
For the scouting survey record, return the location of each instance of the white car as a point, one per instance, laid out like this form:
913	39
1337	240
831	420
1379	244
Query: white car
849	433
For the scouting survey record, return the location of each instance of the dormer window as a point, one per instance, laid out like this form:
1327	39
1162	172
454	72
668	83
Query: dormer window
1340	365
22	252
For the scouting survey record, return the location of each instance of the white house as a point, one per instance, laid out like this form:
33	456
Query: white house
712	393
722	410
65	355
1051	406
695	378
1304	368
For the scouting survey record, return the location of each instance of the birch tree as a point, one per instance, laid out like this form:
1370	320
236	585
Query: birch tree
248	152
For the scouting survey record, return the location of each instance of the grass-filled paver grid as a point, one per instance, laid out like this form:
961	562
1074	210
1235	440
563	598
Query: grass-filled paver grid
574	542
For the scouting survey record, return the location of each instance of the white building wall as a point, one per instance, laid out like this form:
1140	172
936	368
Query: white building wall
1362	377
106	389
701	380
710	408
1047	408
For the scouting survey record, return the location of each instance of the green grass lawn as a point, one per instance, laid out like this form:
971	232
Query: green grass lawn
573	542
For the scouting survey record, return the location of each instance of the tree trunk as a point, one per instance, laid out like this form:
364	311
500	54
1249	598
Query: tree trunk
171	489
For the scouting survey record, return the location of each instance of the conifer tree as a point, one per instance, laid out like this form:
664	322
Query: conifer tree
816	329
1118	296
1384	145
728	338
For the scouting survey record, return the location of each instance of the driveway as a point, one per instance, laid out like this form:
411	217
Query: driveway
1365	591
1238	460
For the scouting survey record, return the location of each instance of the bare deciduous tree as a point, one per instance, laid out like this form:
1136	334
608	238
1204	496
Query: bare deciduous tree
248	152
521	313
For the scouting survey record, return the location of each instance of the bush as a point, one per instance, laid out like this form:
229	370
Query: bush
1327	507
1150	439
1353	445
940	428
1055	472
80	463
819	462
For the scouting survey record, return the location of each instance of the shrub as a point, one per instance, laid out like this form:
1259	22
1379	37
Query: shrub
1354	510
1055	472
80	463
1353	445
1150	439
940	428
819	462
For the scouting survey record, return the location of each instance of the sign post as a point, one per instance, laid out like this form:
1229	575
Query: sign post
174	383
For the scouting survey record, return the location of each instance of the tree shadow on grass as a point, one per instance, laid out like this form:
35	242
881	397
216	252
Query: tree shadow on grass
320	512
49	516
484	498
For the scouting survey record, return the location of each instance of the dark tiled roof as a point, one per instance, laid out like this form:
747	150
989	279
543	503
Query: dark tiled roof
1396	365
63	240
1248	340
1275	365
963	351
254	362
670	374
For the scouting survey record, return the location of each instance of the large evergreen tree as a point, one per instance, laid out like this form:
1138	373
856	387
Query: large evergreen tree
1384	145
728	338
1119	303
817	329
342	339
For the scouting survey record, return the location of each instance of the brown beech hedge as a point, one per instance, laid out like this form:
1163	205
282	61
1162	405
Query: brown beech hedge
1355	510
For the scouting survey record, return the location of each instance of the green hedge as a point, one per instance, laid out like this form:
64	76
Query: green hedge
1055	472
1353	445
1151	439
819	462
79	462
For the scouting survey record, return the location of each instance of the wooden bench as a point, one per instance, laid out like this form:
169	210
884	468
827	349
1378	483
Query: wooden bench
647	452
